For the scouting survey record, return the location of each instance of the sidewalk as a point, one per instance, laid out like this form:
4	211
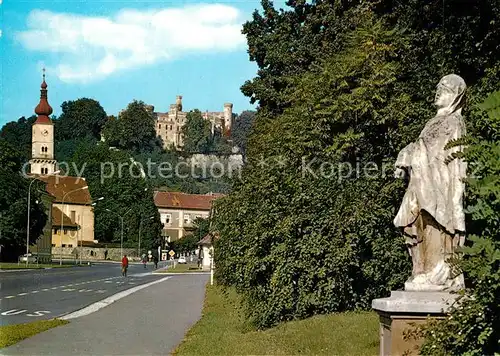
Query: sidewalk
152	321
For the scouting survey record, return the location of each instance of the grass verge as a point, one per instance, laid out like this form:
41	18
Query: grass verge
11	334
182	268
15	265
222	330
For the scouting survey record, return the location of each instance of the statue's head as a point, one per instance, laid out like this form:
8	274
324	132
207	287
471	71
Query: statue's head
450	92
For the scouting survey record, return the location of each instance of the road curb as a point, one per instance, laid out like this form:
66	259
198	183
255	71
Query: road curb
179	273
92	308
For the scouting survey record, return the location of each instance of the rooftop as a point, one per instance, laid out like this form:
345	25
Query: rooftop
59	186
178	200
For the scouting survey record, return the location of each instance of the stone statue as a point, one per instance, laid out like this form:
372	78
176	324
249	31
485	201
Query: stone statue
431	213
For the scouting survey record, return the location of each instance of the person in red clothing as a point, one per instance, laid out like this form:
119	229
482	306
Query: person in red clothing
124	265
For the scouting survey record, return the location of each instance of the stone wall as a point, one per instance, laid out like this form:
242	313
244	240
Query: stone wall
230	162
91	253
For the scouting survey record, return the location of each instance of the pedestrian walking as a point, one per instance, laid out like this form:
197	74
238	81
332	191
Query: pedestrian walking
144	260
155	260
124	265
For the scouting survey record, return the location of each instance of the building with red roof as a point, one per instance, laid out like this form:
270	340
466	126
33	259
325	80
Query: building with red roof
179	210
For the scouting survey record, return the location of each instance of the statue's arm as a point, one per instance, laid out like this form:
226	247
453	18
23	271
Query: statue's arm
403	162
404	156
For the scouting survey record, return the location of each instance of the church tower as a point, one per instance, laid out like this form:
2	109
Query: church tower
42	140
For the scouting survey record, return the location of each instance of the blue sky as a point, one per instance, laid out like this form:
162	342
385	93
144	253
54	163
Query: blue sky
117	51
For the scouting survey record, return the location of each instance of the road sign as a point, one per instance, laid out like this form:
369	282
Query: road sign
171	253
163	256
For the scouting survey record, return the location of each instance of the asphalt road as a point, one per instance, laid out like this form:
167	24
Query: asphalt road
151	321
45	294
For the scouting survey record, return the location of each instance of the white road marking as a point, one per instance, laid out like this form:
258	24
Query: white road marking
10	297
22	293
54	287
107	301
39	313
67	290
44	290
14	312
35	291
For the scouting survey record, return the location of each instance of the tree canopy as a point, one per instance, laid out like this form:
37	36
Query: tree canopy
13	204
80	118
197	133
241	130
133	130
18	134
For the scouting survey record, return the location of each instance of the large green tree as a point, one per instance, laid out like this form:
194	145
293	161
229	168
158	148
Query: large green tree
80	118
241	130
113	175
197	133
13	204
18	134
134	130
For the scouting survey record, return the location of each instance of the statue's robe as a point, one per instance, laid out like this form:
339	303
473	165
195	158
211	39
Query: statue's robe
435	186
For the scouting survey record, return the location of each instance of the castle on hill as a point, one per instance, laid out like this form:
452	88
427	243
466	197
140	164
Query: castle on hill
169	124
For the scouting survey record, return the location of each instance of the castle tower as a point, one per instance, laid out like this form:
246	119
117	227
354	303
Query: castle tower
228	118
42	140
178	102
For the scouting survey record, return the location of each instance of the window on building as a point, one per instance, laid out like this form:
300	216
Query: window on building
53	245
63	245
187	218
55	231
73	216
159	126
65	231
166	219
70	245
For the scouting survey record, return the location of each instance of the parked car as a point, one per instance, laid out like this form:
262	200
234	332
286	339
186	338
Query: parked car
182	260
30	257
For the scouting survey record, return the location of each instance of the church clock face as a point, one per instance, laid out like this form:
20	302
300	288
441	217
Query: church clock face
45	132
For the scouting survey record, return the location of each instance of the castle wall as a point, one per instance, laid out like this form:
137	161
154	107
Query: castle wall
169	125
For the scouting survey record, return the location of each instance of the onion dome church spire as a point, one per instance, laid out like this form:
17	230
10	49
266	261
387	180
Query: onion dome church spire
43	109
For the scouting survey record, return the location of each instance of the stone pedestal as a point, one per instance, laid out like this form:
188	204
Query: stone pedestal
405	307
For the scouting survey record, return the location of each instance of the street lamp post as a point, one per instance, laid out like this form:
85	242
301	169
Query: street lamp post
140	225
28	218
62	219
122	218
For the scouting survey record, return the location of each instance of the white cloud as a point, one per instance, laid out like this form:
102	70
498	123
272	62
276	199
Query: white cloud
91	48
